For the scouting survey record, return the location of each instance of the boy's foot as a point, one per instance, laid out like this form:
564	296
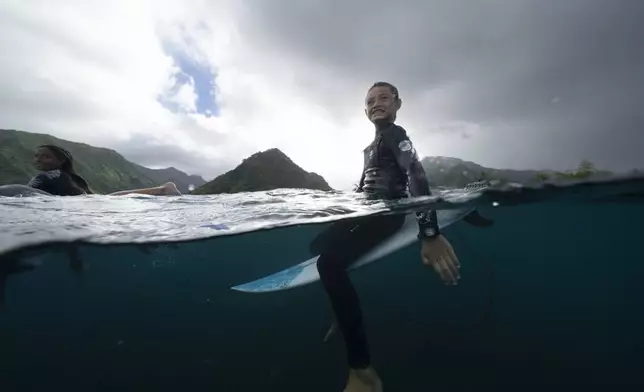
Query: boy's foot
363	380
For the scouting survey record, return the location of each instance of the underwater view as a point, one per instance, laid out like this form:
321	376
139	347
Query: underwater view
136	293
308	196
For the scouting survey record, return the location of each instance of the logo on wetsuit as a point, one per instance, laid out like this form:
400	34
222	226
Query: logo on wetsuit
405	145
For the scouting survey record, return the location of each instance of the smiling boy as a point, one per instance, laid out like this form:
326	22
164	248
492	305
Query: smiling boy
392	170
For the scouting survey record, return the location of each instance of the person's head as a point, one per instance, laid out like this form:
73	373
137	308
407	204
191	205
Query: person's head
382	103
49	157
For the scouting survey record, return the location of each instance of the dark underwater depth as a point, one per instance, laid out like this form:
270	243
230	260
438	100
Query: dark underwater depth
551	298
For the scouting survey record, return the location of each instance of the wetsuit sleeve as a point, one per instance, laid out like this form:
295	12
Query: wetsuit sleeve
55	183
41	181
407	159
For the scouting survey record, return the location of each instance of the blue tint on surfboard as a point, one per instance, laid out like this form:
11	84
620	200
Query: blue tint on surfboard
306	272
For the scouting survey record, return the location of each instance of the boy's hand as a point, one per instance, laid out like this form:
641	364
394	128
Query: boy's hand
438	253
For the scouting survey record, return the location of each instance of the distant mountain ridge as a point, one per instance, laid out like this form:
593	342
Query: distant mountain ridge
455	172
105	170
266	170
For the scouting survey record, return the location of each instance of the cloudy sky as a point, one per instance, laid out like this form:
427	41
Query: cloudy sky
199	85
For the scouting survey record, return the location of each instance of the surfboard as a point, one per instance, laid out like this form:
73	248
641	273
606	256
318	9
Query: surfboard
15	190
306	272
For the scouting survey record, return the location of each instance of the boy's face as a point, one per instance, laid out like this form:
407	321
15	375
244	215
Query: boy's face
381	104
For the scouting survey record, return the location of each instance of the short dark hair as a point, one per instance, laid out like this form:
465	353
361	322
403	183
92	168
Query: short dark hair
392	88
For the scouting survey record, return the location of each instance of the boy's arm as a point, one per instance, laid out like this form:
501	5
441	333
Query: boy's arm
408	161
361	183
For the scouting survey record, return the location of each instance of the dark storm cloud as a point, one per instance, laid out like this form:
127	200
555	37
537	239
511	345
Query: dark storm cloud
148	152
573	69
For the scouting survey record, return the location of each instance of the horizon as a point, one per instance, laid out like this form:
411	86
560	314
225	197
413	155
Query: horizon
200	86
422	158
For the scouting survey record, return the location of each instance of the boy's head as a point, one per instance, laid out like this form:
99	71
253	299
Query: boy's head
382	103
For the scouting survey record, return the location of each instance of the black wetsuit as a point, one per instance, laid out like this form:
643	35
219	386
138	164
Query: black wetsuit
391	170
56	182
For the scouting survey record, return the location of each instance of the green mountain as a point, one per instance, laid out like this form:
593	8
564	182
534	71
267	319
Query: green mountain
454	172
267	170
104	169
107	171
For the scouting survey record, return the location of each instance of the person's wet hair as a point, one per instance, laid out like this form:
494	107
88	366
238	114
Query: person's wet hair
67	165
392	88
64	156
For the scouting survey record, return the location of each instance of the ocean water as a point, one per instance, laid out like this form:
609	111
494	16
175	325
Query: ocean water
133	293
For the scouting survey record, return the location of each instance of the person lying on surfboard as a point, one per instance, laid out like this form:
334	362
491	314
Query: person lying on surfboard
58	177
391	169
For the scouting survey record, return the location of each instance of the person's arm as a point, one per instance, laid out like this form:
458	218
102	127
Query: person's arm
41	181
407	158
360	184
156	191
358	187
167	189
